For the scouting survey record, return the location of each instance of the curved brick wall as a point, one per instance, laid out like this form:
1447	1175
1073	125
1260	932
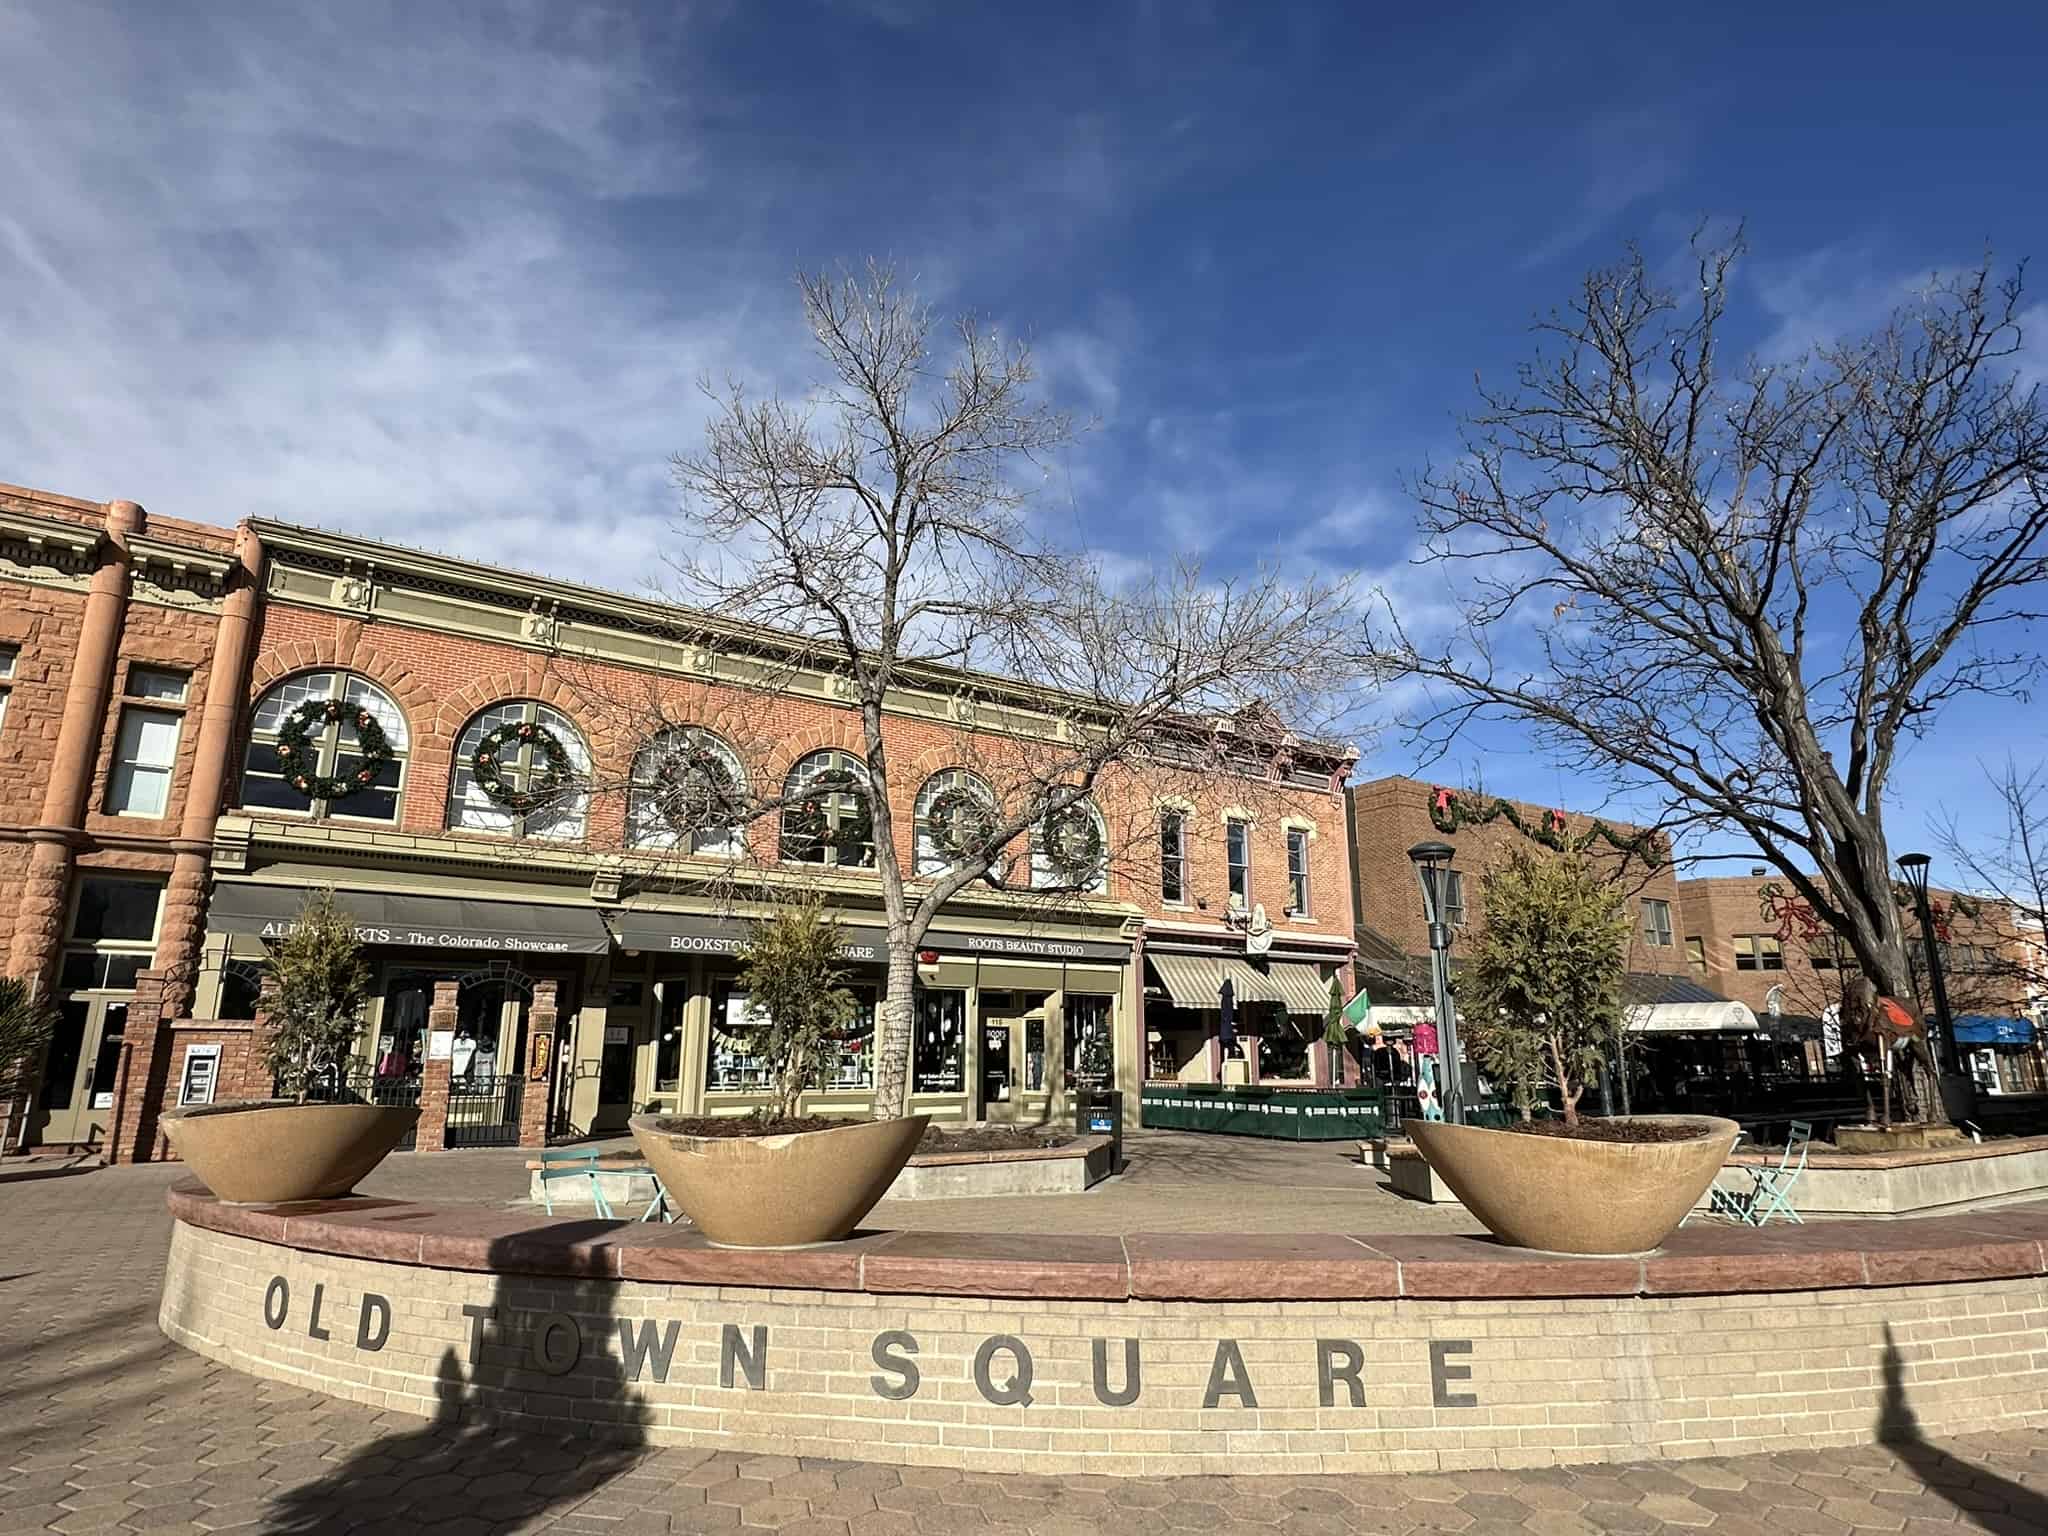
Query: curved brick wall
1166	1354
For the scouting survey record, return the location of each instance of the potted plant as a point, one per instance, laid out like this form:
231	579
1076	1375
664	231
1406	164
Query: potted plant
26	1024
1541	999
778	1178
272	1151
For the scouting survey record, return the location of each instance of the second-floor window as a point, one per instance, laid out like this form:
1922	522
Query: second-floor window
8	656
538	767
146	745
1173	857
1758	952
1454	898
1237	846
688	793
1696	955
328	772
1297	872
825	814
1657	923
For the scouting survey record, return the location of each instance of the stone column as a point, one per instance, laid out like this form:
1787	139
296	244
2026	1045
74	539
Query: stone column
542	1015
147	1080
46	884
435	1075
184	924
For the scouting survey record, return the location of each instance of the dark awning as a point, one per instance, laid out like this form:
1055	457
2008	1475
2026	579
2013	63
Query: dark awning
692	933
419	922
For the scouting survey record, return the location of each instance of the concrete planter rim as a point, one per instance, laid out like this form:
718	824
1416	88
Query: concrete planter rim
1577	1196
789	1189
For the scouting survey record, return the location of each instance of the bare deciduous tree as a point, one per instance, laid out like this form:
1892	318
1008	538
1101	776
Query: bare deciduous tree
2009	871
876	530
1744	587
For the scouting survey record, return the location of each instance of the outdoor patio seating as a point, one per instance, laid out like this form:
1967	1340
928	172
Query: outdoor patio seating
1772	1194
558	1163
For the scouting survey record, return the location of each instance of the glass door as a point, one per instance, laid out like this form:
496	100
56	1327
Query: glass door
996	1077
77	1101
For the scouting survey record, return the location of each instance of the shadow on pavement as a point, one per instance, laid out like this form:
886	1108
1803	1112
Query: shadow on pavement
484	1455
1988	1501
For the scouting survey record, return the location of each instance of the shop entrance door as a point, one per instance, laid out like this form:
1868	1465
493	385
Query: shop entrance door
998	1099
77	1100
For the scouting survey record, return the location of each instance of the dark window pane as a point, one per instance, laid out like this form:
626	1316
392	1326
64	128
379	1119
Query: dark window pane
116	909
240	986
78	973
121	971
385	775
368	804
267	794
61	1070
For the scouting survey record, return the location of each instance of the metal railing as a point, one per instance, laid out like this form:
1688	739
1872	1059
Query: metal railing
484	1111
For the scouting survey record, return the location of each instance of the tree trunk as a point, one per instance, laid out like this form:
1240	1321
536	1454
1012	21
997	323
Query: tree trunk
894	1037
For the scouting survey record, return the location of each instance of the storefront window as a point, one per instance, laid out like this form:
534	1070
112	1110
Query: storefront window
1034	1055
668	1044
732	1065
938	1061
1091	1053
850	1061
402	1037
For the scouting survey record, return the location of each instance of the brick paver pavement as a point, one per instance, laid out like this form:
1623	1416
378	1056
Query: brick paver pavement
106	1426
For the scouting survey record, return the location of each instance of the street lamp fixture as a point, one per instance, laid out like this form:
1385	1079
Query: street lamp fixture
1433	867
1914	867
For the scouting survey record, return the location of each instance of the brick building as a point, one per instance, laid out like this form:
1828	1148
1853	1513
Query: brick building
214	723
1744	938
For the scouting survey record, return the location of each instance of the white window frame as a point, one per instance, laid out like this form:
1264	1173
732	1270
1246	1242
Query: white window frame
566	819
1177	860
9	655
1043	875
1237	871
798	779
1657	935
925	856
1299	891
128	769
330	743
645	825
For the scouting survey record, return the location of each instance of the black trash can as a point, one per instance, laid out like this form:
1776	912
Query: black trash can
1099	1112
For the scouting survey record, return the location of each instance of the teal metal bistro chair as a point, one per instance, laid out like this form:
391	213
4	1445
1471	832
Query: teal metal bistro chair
558	1163
1772	1194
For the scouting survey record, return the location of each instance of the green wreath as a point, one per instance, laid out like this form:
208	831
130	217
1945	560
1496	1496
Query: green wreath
557	772
1072	844
695	790
807	825
298	754
960	823
1448	812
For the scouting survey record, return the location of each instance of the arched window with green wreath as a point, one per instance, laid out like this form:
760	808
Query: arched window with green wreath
521	770
826	816
326	744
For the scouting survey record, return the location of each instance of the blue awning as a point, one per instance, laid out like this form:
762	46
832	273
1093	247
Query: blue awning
1986	1029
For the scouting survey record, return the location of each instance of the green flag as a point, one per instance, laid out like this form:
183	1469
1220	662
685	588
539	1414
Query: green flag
1358	1009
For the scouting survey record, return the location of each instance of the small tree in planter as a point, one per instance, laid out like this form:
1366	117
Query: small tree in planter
796	982
321	983
26	1023
1543	986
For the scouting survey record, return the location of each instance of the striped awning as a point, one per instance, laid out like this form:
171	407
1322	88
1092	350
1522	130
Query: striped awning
1193	981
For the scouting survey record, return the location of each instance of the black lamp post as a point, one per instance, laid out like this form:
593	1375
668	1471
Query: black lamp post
1914	866
1433	867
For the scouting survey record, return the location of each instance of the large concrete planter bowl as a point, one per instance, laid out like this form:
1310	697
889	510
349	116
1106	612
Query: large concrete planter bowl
779	1191
270	1153
1569	1196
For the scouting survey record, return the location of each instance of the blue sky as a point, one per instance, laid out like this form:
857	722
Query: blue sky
447	274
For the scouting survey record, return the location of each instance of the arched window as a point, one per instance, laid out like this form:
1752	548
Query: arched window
1070	850
954	812
825	818
689	792
539	774
311	751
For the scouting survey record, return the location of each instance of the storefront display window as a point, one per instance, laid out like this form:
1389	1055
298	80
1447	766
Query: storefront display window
1034	1055
850	1063
938	1059
1283	1051
732	1065
1091	1052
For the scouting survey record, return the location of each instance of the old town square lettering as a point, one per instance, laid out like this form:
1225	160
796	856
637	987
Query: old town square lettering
1003	1370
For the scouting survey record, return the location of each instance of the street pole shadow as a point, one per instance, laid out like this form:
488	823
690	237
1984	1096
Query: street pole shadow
1987	1500
532	1414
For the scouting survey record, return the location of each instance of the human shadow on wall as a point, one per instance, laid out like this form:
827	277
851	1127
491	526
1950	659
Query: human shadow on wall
1985	1498
533	1414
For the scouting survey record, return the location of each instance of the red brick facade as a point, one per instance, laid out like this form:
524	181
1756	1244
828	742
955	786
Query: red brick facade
1390	816
127	590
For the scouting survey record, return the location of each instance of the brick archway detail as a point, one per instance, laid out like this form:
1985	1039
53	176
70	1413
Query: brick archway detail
346	653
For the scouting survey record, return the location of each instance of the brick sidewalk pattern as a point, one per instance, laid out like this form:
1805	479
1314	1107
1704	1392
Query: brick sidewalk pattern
104	1426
